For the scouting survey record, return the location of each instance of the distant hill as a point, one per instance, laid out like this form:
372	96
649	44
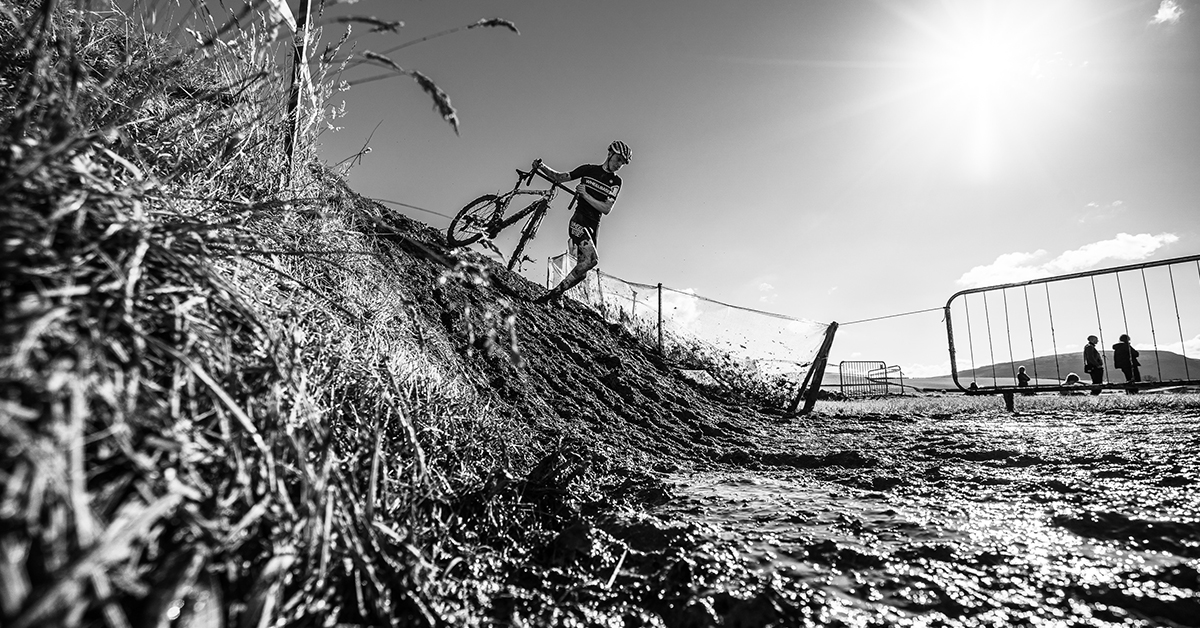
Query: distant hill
1050	369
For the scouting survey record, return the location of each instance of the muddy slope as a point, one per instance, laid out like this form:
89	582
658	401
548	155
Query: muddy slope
572	373
1074	511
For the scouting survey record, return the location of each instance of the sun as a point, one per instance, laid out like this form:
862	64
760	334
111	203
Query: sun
977	57
971	78
983	68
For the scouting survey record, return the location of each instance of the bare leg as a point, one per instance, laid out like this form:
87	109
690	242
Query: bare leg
585	260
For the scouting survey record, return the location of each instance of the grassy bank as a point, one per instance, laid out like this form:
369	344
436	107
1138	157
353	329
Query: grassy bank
218	405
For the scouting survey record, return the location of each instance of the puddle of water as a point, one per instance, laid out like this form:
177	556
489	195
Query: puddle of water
1094	544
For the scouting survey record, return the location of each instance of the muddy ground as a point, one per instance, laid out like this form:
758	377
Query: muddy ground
721	511
1075	515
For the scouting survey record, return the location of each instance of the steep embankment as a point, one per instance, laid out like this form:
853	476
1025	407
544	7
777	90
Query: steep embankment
233	392
569	371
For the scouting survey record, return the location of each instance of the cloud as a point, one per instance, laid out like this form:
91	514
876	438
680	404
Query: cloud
1124	247
1169	12
926	370
1101	211
1008	268
1015	267
769	294
1190	347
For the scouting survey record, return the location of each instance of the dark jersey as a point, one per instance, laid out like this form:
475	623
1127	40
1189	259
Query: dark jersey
601	185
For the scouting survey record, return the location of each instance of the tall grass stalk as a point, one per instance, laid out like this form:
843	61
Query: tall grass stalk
219	401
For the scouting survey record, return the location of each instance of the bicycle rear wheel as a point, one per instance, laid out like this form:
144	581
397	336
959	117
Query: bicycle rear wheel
473	221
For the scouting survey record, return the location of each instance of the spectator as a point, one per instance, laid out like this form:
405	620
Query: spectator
1023	380
1093	364
1072	380
1125	357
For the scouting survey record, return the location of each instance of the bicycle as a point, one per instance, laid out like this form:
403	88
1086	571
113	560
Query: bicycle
484	216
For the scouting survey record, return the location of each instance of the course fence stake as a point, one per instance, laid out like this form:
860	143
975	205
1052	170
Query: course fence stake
299	80
816	373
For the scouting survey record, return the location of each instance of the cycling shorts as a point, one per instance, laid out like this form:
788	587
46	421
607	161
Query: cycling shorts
581	235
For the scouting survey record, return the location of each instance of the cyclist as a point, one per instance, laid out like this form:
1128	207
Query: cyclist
596	194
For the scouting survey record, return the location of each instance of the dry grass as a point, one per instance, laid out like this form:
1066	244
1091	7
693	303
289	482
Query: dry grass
216	402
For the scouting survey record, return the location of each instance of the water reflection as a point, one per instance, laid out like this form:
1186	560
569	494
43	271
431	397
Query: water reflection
1007	523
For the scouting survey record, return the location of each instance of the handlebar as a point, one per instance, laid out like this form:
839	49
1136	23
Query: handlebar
536	169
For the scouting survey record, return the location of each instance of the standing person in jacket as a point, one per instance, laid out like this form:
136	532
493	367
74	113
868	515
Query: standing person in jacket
1125	357
1023	380
1093	363
596	193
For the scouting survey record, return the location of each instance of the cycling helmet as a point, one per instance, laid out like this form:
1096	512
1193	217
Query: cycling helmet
621	149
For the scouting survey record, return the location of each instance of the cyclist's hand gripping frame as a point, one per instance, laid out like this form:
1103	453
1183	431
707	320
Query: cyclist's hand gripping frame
526	178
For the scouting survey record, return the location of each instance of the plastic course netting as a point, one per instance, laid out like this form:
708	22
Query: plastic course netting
764	342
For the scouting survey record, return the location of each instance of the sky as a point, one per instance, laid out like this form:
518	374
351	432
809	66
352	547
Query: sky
826	160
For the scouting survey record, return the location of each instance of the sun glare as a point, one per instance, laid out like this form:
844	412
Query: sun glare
984	65
975	79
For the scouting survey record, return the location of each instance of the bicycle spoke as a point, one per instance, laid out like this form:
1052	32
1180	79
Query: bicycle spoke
474	221
470	223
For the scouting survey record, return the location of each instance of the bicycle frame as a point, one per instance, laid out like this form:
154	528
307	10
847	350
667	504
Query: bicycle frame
505	199
535	210
485	216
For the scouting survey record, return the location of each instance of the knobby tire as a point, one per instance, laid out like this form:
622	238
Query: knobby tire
472	221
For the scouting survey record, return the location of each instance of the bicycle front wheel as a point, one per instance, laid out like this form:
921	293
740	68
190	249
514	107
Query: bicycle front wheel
474	220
